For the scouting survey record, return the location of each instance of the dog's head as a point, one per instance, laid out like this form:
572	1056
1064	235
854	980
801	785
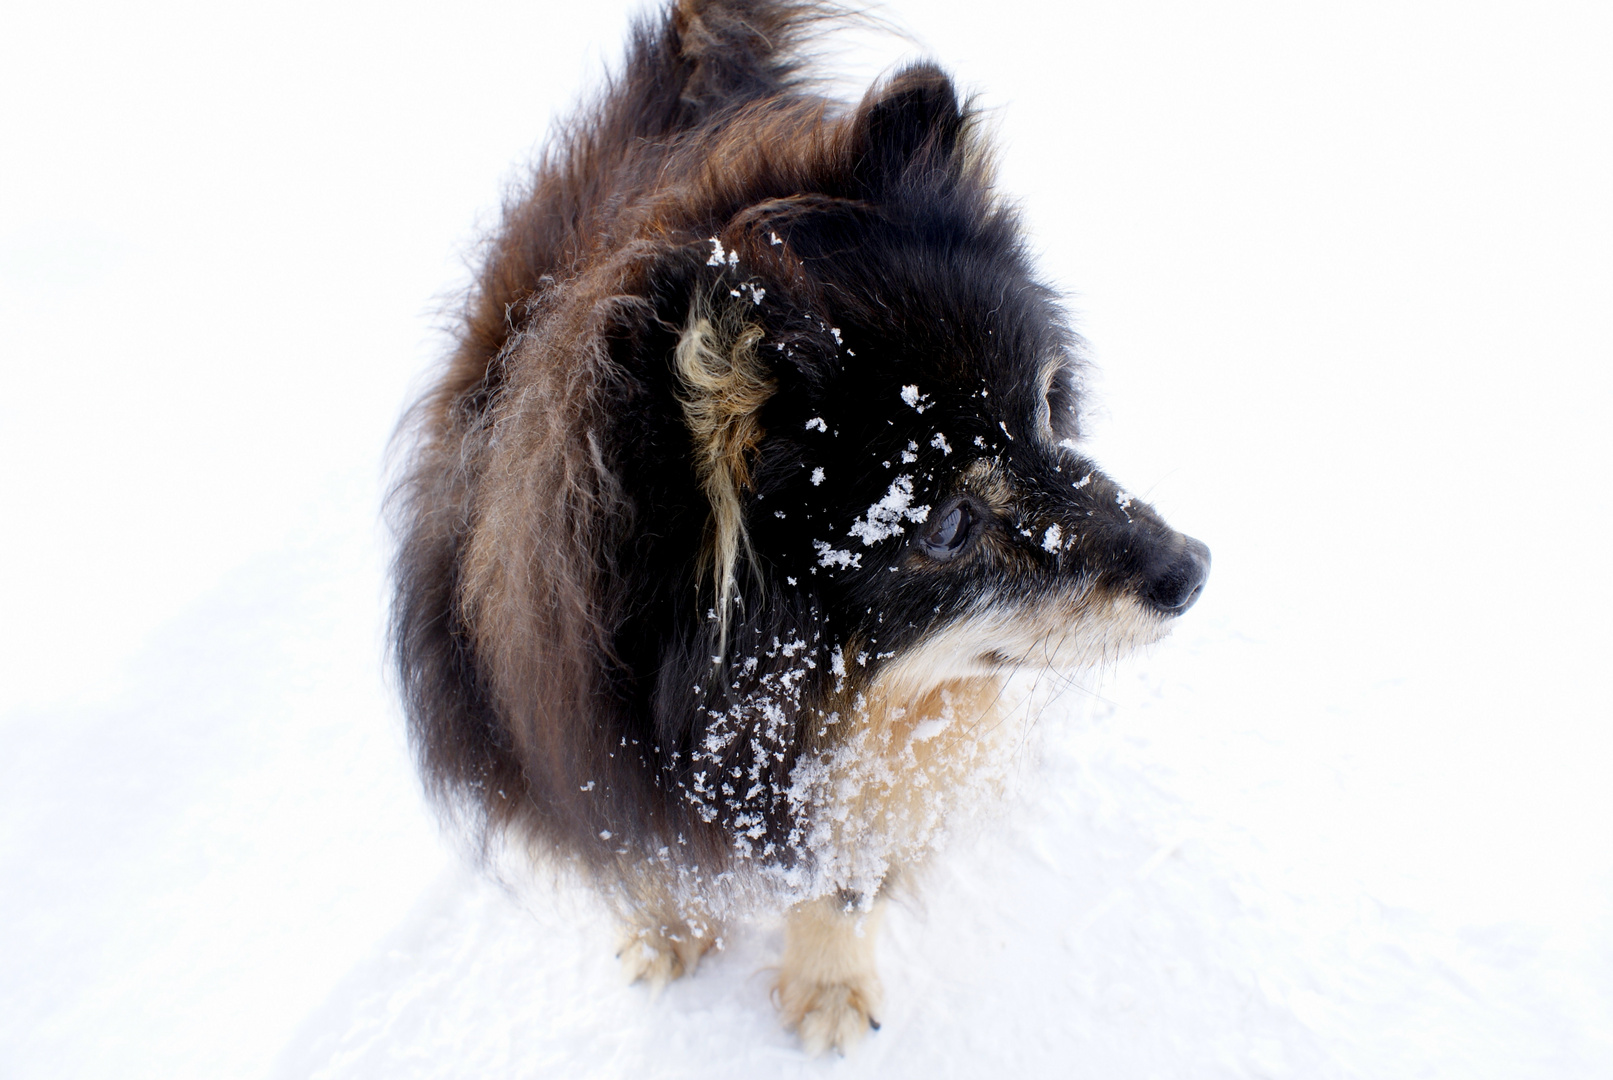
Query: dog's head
884	405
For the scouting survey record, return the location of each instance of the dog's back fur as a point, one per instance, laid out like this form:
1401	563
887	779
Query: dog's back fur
517	676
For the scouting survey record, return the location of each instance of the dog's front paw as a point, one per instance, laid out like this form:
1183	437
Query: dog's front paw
829	1015
657	957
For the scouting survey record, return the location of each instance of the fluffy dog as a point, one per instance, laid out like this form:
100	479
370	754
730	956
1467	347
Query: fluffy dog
752	478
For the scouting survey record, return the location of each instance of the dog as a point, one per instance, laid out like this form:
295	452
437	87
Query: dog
752	477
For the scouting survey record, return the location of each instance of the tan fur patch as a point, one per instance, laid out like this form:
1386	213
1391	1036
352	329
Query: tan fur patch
1044	385
986	478
1067	633
898	768
932	734
725	388
828	987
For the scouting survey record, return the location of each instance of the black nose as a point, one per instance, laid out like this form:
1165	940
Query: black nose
1177	584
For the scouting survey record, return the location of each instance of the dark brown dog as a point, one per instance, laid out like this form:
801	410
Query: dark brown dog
751	481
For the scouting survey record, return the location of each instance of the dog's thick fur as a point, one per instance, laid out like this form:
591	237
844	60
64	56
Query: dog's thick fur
750	480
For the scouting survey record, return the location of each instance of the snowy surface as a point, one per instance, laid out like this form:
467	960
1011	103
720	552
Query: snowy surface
1346	275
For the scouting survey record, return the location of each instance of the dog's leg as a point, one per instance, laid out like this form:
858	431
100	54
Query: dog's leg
827	988
657	949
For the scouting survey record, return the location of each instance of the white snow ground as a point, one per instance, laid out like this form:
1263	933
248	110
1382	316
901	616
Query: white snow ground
1346	274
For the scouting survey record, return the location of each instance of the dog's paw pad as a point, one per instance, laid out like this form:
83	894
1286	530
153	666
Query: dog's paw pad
829	1016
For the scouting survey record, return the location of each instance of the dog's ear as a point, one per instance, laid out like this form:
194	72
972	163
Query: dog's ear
909	130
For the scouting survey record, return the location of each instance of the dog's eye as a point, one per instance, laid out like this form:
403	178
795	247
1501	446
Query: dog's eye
948	531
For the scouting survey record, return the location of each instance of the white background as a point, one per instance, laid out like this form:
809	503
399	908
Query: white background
1345	271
